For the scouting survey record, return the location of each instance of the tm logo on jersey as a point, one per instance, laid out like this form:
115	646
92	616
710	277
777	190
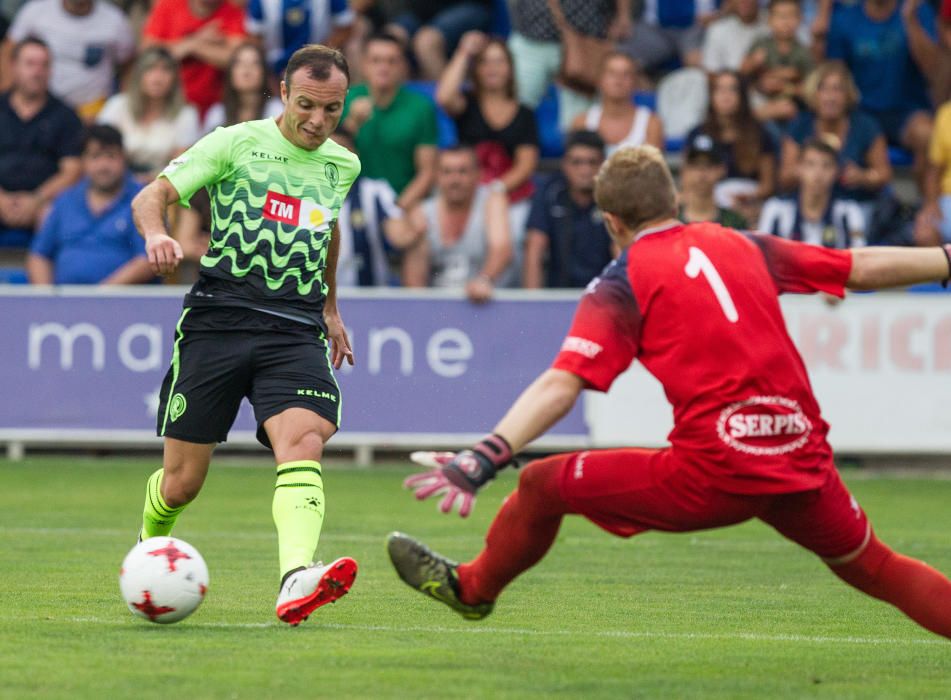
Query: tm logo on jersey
296	212
764	426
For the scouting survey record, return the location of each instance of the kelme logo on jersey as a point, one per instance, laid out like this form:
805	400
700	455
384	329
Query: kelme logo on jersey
764	425
296	212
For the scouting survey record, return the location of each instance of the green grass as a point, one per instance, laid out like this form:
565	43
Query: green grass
736	613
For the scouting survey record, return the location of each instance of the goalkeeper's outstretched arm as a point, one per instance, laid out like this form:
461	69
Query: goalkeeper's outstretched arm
540	406
883	267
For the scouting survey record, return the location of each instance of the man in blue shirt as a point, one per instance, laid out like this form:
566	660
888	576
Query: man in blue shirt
890	50
89	236
564	225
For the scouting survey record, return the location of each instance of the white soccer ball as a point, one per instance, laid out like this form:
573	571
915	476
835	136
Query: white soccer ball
163	579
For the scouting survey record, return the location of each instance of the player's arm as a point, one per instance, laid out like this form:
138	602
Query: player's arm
601	344
545	402
800	268
148	213
336	331
458	477
883	267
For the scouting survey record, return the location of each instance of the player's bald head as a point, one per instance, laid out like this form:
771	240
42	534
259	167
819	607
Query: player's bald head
636	186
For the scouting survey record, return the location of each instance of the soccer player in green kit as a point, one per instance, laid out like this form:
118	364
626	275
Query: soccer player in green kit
262	319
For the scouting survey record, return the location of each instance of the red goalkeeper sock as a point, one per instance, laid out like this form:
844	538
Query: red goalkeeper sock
919	591
521	533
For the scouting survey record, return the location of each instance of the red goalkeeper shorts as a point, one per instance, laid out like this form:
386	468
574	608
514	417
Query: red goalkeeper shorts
629	491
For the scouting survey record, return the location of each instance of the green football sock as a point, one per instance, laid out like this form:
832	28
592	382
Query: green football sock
158	518
298	511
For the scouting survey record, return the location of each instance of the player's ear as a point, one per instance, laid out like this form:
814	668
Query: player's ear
612	223
284	91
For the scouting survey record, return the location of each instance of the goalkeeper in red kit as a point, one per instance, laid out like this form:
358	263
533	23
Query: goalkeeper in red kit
697	305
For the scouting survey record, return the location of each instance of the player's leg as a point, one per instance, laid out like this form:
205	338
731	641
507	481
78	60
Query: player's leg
918	590
622	491
174	486
522	532
830	523
198	402
297	405
297	436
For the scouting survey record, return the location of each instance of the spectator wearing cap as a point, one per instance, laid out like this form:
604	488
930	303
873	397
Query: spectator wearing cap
39	144
287	25
89	236
814	214
703	167
890	48
567	243
615	117
201	35
395	128
90	42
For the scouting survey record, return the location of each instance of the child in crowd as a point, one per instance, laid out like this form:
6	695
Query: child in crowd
777	64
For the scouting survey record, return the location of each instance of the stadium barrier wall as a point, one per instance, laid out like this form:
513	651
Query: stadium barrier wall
82	366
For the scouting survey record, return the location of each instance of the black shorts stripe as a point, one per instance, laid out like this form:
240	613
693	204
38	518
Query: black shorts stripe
296	485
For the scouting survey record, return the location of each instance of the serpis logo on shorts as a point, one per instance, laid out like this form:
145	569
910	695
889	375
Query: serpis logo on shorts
764	425
296	212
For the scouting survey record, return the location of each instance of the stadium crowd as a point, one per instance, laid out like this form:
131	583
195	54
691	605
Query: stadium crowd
481	124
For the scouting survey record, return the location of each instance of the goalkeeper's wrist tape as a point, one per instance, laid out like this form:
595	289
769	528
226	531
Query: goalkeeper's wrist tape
946	249
496	449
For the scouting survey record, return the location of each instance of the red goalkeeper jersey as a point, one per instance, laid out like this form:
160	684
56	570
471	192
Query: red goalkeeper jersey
698	305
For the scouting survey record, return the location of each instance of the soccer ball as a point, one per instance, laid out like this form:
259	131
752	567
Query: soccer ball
163	579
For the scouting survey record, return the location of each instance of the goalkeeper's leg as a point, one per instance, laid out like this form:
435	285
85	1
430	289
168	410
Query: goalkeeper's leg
830	523
175	485
521	534
919	591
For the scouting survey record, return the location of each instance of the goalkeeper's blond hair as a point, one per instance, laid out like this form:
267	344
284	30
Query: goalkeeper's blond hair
636	186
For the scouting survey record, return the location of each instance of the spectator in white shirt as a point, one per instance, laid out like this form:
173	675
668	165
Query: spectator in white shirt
729	39
155	121
90	42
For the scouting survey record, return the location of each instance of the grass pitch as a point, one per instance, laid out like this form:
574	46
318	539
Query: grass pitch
736	613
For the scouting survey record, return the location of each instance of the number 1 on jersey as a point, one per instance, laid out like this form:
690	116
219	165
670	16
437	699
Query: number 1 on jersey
699	264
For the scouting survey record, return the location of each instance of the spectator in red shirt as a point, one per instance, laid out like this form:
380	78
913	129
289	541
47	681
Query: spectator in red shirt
201	35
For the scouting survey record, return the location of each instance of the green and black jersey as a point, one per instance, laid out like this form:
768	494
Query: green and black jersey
273	208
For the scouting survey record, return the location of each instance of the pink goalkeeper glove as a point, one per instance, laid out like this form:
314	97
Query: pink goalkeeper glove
457	477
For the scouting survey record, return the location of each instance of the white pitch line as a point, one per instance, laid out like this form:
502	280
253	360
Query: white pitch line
524	632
